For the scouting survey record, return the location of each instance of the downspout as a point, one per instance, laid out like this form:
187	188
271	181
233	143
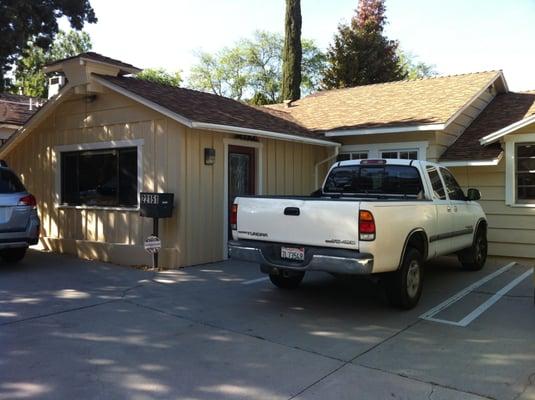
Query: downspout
316	167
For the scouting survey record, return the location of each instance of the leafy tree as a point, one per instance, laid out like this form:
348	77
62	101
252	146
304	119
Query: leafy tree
251	70
35	21
161	76
292	52
29	76
360	53
414	68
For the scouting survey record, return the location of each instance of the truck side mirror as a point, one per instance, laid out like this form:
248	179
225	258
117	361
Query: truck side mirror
473	195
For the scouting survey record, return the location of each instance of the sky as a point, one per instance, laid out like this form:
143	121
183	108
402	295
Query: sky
456	36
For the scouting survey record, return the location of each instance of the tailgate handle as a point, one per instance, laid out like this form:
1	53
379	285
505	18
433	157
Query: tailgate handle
292	211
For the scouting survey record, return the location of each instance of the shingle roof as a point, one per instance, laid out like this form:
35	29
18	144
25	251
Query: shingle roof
504	110
91	55
15	109
403	103
210	108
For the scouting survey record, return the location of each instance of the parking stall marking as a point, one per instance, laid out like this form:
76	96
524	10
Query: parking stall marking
265	278
429	315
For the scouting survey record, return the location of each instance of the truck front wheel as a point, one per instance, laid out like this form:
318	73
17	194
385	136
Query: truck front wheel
404	287
286	279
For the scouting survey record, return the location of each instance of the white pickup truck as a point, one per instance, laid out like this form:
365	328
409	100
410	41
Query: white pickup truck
370	217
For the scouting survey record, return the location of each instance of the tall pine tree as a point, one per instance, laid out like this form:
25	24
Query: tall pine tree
292	52
361	54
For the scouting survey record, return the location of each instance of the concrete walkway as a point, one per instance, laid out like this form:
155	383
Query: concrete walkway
87	330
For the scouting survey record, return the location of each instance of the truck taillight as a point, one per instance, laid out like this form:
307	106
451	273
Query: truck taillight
234	217
28	200
366	226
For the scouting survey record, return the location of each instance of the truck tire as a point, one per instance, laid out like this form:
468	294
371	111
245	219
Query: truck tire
474	257
404	286
287	280
13	255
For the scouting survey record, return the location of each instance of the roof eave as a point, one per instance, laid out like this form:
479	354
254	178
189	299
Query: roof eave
473	163
56	67
495	136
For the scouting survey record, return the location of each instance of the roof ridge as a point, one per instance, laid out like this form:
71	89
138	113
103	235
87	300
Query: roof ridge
403	81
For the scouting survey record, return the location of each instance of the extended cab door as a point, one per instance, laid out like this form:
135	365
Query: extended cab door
461	213
440	239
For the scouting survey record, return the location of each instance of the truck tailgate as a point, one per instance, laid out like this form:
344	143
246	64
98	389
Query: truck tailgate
318	222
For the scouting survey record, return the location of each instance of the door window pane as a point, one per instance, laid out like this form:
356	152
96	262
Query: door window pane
454	190
436	183
100	177
525	172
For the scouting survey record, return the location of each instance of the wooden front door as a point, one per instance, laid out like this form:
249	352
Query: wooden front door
241	174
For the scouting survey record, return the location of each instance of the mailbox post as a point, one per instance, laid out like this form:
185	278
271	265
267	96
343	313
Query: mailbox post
156	206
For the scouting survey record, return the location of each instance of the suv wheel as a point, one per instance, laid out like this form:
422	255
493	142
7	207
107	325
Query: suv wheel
13	255
287	279
404	287
474	257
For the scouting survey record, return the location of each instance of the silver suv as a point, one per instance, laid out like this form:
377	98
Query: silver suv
19	222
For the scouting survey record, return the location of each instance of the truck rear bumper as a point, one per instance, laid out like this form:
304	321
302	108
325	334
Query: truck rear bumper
336	261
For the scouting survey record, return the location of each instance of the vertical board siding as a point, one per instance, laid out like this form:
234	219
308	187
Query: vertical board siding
511	230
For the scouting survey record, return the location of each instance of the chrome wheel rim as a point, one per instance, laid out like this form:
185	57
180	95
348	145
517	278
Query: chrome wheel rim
413	278
481	250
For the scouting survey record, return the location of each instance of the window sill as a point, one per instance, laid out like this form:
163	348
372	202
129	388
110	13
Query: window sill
522	205
97	208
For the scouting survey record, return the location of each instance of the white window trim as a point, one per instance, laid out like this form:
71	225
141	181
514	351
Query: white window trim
374	149
258	179
510	168
116	144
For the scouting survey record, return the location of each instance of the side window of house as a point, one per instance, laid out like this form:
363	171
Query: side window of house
353	155
454	190
438	187
106	178
525	172
401	154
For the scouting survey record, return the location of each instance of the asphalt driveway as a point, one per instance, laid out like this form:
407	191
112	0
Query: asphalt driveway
89	330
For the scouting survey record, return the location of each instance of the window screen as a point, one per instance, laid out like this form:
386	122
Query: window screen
100	177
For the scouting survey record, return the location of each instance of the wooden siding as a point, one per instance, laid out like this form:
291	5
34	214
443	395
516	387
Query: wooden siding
287	169
172	160
511	229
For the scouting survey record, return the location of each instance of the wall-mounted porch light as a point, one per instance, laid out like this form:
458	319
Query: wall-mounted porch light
209	156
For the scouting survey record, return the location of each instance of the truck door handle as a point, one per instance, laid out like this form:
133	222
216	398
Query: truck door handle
449	209
292	211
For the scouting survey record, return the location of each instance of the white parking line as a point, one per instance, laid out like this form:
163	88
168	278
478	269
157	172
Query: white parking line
255	281
429	315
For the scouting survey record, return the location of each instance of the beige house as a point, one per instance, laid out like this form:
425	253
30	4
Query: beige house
106	136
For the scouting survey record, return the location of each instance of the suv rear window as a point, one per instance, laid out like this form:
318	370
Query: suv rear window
10	183
374	179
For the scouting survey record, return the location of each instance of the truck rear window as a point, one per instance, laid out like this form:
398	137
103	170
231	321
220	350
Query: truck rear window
374	179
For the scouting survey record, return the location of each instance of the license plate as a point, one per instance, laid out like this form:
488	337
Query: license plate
293	253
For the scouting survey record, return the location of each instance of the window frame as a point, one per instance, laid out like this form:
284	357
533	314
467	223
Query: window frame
113	145
374	150
511	143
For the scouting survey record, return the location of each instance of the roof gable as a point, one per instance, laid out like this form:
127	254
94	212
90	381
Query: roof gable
504	110
416	103
124	68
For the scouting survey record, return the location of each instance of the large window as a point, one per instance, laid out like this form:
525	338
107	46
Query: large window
401	154
353	155
105	178
525	172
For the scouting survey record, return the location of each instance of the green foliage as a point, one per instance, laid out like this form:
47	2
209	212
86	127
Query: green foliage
251	70
360	53
161	76
292	52
35	21
413	68
29	76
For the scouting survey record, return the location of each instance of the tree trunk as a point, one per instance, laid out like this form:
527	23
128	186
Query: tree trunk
292	52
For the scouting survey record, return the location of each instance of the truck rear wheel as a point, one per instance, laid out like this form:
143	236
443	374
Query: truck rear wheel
404	287
286	279
13	255
474	257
